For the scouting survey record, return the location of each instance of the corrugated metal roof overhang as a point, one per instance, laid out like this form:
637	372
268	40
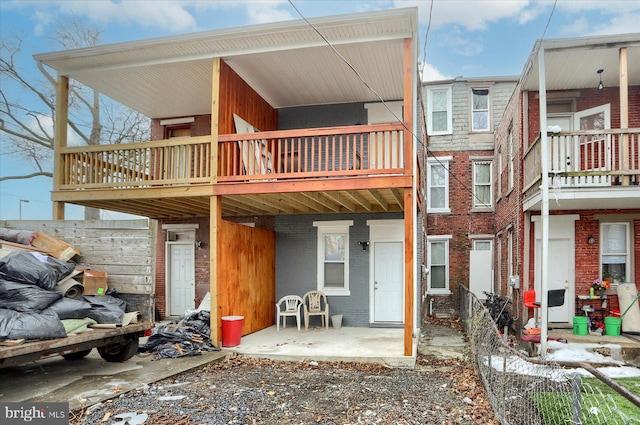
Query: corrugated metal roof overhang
287	63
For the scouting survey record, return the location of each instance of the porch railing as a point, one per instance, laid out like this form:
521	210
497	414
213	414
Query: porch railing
586	159
321	152
287	154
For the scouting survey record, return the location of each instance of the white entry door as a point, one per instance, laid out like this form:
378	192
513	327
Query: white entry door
387	281
181	278
561	264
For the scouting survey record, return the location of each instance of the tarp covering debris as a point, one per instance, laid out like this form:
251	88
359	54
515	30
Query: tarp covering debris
34	268
188	337
32	305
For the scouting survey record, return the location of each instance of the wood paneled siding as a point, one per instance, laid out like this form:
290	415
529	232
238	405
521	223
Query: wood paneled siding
246	275
237	97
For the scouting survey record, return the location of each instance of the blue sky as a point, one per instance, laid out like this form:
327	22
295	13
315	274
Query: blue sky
470	38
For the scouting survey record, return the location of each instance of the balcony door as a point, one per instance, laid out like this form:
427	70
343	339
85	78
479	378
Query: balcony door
594	150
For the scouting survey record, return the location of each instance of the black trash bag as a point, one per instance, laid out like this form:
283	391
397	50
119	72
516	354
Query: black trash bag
43	325
192	334
68	308
105	308
34	268
25	298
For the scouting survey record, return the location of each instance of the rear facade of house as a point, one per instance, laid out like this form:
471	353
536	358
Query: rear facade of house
591	133
273	169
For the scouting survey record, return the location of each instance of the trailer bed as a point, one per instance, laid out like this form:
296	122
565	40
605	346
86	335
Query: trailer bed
92	338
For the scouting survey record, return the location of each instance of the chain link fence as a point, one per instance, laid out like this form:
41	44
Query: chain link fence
524	390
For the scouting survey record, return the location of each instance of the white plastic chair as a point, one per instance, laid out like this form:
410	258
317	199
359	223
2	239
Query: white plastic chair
292	304
313	302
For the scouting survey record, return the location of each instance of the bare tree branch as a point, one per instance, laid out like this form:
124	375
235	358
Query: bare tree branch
28	131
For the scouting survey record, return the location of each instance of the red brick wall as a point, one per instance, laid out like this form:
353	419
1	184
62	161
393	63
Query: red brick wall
460	223
201	262
587	256
200	127
590	98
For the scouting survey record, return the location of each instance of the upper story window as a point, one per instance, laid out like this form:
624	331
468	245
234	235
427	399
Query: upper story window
333	256
480	118
482	185
438	184
439	106
499	174
511	159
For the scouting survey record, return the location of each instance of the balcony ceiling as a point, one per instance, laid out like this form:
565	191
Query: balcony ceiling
288	63
573	63
323	202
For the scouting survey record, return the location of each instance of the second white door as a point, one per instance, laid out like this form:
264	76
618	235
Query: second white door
388	279
181	279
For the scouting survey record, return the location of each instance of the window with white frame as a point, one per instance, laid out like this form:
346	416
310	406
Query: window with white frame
438	264
333	256
482	244
510	252
480	118
482	185
499	174
438	184
615	262
439	107
511	158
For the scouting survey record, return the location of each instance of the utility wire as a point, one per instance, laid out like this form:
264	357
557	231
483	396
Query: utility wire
368	86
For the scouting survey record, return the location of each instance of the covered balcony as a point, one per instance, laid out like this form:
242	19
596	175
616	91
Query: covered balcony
273	172
582	97
589	169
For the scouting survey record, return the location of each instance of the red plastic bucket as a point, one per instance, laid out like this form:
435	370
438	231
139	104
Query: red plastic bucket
231	330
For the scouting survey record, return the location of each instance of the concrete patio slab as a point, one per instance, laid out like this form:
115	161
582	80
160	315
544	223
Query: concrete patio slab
349	344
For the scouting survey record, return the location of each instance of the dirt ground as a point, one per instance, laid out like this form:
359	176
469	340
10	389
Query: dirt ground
258	391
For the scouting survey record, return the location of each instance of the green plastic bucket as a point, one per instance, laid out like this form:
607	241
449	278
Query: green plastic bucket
580	325
612	326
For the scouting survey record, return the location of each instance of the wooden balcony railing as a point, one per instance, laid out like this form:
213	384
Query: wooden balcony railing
306	153
586	159
162	162
309	153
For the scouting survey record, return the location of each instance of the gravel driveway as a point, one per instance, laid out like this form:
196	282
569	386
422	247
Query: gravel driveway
258	391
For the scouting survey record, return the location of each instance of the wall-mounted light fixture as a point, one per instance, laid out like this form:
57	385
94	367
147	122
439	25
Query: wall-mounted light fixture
600	85
591	240
364	245
198	244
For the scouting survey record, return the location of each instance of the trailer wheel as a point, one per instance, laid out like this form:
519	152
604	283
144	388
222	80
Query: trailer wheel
119	352
77	355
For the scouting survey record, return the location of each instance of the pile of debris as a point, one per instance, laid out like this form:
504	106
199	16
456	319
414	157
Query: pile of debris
190	336
39	297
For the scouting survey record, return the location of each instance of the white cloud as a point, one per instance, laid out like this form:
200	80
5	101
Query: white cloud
431	73
265	11
167	15
472	15
619	24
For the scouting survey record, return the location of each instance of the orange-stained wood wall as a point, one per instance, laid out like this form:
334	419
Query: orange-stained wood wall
237	97
247	275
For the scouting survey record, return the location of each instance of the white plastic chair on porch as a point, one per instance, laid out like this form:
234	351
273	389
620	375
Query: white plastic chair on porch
292	304
315	304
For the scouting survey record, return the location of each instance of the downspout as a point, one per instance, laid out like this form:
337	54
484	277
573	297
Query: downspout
544	189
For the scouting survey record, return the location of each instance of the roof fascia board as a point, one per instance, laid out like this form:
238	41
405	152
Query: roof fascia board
234	33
